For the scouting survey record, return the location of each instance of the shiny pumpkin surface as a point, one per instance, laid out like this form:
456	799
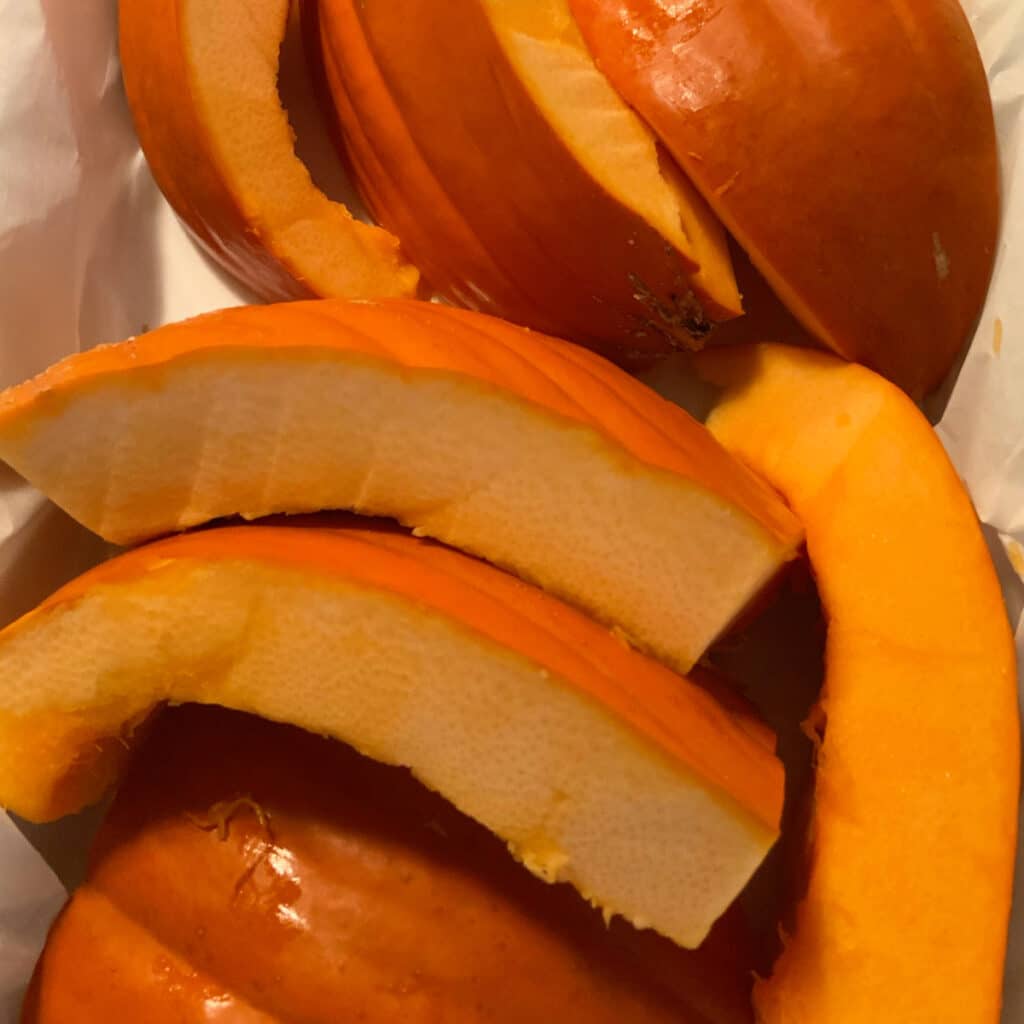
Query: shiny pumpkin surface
469	125
250	872
849	146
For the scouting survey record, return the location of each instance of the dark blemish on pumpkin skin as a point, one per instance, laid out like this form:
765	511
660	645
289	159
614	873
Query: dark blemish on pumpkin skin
437	828
265	847
218	817
680	314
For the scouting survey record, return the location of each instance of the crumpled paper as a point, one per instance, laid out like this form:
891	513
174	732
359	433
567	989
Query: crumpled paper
90	252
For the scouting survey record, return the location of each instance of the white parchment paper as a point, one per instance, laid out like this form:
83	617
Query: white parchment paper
90	252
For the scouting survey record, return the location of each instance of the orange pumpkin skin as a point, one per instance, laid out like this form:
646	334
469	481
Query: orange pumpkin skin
451	154
266	222
848	146
256	873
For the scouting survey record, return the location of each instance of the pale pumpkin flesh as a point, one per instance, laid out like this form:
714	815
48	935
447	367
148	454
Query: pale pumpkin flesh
914	825
201	79
596	765
526	451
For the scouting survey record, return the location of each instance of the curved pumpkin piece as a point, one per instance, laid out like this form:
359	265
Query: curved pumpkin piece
303	856
848	146
481	133
915	820
596	765
524	450
201	78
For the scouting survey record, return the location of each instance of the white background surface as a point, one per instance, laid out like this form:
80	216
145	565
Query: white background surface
90	252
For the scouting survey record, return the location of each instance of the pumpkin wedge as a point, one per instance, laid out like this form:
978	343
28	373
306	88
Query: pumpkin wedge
595	764
201	78
302	857
915	817
482	134
849	147
524	450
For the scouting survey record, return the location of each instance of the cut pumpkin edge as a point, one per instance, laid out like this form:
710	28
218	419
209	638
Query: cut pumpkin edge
522	712
285	241
513	447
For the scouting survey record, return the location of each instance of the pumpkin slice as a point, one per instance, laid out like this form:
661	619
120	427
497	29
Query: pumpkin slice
201	77
481	133
596	765
915	814
848	146
302	856
524	450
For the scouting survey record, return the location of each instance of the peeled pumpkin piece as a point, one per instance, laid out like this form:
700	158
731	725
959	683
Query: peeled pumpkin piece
201	79
849	147
915	817
302	857
481	133
524	450
596	765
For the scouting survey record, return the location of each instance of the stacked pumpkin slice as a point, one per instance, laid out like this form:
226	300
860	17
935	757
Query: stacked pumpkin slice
534	711
593	763
537	721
